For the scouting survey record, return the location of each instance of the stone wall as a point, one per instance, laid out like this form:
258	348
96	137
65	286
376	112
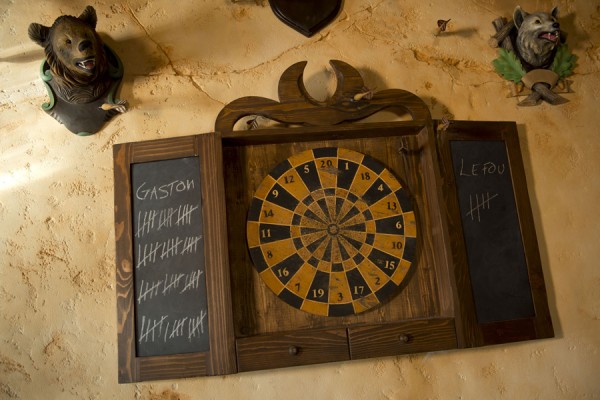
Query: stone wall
183	62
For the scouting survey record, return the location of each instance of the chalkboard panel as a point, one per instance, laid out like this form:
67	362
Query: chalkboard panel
492	235
172	270
168	250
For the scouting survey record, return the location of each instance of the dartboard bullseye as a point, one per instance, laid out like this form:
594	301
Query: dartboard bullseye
331	232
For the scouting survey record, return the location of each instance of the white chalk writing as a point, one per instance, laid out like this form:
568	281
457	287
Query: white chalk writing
150	253
170	302
192	281
165	329
152	220
196	325
163	191
481	169
479	203
151	328
170	283
148	290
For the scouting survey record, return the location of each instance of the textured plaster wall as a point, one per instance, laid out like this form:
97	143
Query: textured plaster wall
184	61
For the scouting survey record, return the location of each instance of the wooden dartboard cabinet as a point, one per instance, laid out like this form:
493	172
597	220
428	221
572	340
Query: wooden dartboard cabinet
432	306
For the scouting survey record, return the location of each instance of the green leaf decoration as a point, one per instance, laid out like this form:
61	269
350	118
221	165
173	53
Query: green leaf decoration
564	61
509	66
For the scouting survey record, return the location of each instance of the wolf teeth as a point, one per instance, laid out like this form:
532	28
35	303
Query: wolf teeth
86	64
552	36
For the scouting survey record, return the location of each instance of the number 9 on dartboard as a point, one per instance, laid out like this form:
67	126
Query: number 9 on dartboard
332	232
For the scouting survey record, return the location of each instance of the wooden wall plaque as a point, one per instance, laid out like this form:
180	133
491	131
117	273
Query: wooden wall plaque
330	241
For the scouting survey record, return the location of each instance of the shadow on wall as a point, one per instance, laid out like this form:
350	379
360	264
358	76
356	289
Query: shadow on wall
21	58
575	37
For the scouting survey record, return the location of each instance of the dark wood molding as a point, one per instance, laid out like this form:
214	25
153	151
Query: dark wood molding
296	106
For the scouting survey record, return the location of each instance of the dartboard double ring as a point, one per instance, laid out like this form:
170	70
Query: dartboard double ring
331	231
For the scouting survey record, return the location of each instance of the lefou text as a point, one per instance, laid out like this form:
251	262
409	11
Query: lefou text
481	169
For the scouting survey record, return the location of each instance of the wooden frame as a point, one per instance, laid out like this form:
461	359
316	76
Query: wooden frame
219	359
250	327
476	333
405	324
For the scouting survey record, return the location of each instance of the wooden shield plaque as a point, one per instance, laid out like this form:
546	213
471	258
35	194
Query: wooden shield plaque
306	16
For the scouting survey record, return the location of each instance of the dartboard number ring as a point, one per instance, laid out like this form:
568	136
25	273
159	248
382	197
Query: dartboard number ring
331	231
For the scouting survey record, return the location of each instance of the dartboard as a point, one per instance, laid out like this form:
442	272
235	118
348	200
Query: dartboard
331	231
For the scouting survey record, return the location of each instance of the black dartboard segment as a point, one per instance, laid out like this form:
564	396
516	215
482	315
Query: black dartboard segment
332	232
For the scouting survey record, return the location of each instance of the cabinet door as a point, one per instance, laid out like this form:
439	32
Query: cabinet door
173	294
496	260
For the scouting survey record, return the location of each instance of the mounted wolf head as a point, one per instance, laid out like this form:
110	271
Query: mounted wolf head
74	51
538	36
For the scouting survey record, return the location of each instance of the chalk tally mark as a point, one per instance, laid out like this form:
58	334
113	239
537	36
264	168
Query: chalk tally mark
479	202
165	330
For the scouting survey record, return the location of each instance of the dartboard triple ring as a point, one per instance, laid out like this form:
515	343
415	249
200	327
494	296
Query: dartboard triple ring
331	231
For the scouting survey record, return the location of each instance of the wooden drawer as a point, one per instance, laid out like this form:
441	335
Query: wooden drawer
292	349
404	338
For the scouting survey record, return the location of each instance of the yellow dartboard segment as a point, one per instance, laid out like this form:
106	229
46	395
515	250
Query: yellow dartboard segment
332	232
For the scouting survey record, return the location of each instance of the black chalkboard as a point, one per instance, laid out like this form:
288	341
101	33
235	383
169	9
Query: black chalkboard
495	251
168	255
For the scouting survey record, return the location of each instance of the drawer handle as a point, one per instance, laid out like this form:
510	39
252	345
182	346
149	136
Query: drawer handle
404	338
293	350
